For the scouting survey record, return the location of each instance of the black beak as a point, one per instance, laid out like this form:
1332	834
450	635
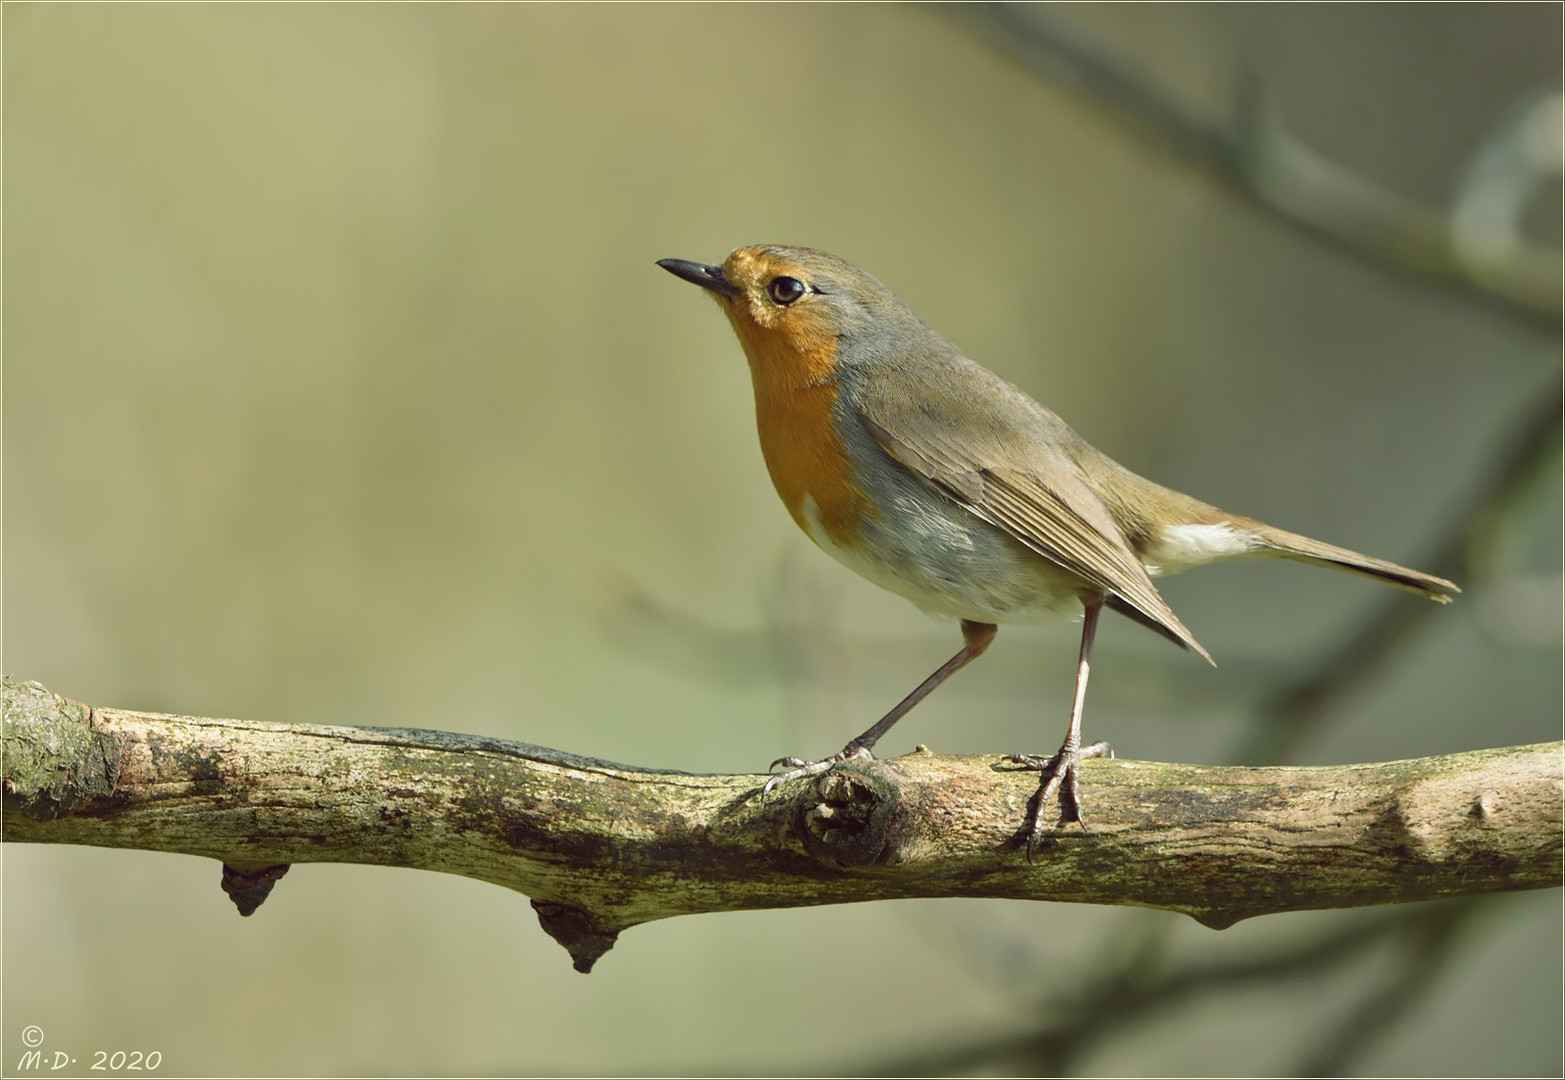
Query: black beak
708	277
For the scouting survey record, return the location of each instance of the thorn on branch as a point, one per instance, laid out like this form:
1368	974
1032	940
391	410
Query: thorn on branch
249	887
1215	918
583	936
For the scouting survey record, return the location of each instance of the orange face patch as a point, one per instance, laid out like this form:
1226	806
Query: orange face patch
792	352
802	325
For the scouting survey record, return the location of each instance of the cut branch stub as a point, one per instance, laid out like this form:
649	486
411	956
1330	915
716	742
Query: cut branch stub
56	761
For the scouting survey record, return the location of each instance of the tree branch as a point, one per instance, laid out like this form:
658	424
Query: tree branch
1260	161
601	847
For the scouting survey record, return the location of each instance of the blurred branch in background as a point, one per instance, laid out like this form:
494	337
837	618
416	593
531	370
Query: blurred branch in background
1424	945
1287	716
1476	251
1142	982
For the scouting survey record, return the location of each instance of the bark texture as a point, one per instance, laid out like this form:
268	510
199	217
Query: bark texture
601	847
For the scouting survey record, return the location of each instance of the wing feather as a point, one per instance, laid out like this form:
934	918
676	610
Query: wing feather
1059	517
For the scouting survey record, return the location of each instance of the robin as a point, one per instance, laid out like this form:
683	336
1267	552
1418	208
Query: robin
938	480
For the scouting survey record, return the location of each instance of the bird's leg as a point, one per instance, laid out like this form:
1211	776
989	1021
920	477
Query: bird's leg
1059	773
976	637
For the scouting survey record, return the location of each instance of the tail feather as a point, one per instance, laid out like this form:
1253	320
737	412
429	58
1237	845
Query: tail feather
1293	546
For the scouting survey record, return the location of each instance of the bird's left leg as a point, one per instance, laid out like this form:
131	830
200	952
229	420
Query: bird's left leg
1059	774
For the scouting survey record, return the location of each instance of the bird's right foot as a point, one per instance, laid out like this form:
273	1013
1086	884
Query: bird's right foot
799	769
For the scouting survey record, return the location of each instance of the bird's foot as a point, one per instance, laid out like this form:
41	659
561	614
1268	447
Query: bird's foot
1058	776
798	768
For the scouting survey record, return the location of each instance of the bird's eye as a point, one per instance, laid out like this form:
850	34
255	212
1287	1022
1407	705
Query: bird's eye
785	290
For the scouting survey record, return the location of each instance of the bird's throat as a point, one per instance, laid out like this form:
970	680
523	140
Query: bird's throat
795	412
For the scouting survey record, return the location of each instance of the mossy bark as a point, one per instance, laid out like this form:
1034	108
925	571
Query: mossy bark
601	847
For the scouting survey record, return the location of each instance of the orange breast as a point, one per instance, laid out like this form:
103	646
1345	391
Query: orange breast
794	403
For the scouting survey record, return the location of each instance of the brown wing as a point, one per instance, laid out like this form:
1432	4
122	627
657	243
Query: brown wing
1045	504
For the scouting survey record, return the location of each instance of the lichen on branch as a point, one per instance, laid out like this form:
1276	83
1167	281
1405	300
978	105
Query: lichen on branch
600	847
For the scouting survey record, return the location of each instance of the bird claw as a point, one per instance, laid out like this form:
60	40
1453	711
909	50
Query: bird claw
799	769
1057	776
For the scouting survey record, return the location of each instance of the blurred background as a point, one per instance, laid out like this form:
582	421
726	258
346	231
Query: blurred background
341	387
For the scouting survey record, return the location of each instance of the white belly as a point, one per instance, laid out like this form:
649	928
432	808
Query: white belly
950	563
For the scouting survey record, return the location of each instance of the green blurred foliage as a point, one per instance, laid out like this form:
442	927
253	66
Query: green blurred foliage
341	387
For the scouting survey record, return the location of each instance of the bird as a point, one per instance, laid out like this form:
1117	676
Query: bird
940	481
